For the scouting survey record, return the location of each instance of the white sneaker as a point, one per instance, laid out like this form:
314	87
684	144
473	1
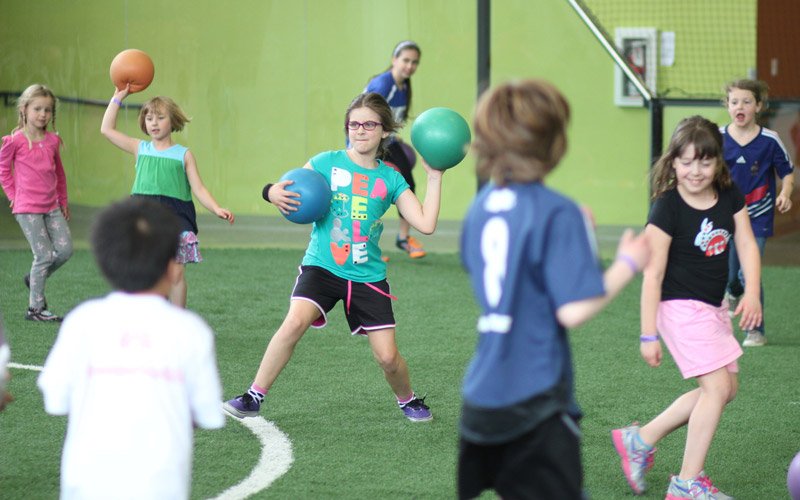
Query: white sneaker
732	301
754	339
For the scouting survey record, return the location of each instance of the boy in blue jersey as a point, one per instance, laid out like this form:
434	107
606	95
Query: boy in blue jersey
756	157
535	273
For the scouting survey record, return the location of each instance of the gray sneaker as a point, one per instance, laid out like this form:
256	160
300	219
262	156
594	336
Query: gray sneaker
636	458
699	488
718	495
732	301
754	338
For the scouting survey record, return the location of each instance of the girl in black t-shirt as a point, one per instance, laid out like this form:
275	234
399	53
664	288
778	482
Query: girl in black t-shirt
696	211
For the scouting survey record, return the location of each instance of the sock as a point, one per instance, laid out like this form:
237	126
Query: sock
647	446
258	393
403	402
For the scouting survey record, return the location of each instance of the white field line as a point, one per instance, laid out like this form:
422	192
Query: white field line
276	454
276	459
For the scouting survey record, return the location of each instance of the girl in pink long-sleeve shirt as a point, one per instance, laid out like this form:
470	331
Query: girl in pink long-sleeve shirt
33	178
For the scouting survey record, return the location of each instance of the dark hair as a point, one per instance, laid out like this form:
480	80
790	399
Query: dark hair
133	242
398	49
378	104
706	138
520	131
759	89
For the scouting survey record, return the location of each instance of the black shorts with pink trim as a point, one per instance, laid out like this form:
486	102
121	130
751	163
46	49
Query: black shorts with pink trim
367	306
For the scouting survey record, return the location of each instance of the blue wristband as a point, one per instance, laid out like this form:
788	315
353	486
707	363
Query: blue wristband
116	101
648	338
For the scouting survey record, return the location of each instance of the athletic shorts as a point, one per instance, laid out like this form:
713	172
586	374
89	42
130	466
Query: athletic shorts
188	252
543	464
367	306
399	161
699	336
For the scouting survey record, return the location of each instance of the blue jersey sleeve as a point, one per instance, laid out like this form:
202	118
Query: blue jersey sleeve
570	263
381	85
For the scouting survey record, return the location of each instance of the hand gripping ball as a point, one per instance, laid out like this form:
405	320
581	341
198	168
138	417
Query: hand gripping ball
315	195
793	478
441	136
132	66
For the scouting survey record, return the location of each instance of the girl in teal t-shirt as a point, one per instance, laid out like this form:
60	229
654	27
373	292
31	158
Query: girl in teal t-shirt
343	260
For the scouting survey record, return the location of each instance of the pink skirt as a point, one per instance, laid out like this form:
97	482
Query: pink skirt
699	336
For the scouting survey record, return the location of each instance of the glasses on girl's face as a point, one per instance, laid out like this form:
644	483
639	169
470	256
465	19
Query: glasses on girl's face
353	125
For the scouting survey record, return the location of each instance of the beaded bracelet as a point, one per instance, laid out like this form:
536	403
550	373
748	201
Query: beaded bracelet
648	338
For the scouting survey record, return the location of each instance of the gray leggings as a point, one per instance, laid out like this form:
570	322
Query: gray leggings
51	243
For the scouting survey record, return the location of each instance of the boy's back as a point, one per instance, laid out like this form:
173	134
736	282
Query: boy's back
528	252
133	373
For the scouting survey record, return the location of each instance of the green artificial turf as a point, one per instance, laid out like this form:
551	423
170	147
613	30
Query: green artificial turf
349	438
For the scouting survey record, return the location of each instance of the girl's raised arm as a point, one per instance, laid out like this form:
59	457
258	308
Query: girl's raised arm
109	126
423	216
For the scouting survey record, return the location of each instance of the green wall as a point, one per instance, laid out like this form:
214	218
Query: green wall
606	164
266	83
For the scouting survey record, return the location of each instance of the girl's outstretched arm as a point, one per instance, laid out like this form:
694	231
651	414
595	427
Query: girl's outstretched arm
201	192
750	259
633	253
109	126
423	216
651	291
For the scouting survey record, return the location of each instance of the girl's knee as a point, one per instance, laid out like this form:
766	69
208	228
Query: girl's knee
389	360
64	253
734	388
292	329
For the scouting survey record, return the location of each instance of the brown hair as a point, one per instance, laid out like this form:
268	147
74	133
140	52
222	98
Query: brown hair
706	138
177	118
29	94
520	131
398	49
378	104
759	89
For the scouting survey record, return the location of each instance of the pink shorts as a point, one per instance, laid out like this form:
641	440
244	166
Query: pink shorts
699	336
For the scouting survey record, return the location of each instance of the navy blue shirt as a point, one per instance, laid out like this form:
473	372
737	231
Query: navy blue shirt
528	251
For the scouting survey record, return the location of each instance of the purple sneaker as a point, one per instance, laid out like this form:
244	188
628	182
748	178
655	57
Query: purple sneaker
242	406
416	410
